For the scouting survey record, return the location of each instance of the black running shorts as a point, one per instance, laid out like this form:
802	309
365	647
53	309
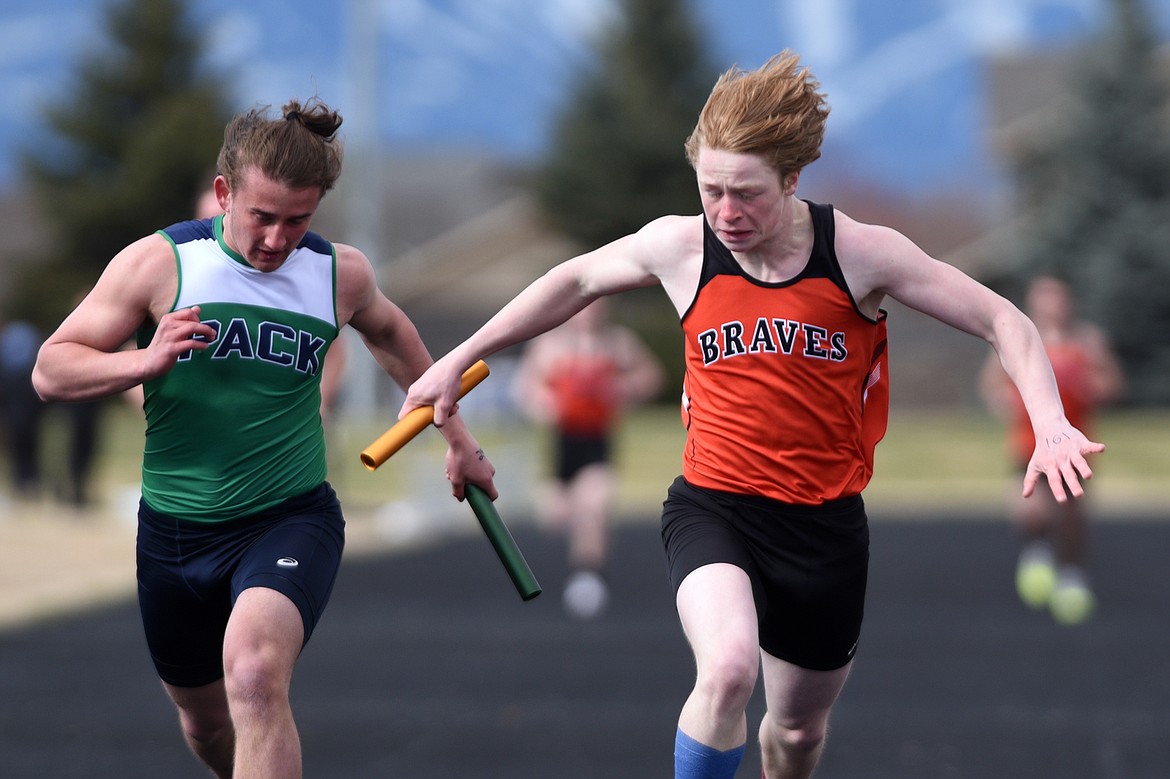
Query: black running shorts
808	565
574	452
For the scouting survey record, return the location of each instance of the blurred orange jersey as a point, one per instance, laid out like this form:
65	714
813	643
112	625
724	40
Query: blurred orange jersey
786	391
586	394
1072	365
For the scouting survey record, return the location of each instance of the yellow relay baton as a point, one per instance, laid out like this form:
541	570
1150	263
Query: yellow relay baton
497	532
416	420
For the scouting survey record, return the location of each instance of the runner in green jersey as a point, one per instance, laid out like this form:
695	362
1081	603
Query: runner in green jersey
240	535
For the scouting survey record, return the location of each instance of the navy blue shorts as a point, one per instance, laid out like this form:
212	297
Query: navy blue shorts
808	565
190	574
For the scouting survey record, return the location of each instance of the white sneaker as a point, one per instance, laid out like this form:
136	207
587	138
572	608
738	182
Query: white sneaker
586	595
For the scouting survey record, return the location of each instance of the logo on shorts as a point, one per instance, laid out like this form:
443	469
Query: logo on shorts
287	562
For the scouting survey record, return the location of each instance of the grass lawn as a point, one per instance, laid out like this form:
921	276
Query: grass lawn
935	461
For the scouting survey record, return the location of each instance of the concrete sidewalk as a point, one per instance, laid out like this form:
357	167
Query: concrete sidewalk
55	559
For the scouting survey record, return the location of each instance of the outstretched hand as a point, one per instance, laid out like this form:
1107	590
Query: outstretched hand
1060	457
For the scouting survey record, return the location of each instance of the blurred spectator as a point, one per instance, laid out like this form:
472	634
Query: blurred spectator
19	342
578	379
83	425
84	421
1050	572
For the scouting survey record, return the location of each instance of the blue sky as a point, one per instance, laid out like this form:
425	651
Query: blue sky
903	76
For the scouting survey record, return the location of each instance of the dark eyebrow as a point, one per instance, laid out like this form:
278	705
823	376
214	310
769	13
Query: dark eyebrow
269	215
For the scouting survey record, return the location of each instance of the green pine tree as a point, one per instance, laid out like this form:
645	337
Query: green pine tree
1096	188
129	146
617	160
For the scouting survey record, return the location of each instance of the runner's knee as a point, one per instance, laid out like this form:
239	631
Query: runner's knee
728	680
793	737
203	712
254	680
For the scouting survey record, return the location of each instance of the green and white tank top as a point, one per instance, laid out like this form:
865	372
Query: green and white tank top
236	428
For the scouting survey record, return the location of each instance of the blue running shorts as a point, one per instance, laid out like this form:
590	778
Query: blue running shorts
190	574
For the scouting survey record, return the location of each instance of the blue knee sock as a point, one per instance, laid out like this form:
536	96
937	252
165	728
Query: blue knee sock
693	760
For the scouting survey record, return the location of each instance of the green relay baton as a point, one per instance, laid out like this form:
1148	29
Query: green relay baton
505	546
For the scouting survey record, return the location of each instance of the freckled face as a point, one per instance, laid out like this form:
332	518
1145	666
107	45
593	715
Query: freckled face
266	219
743	198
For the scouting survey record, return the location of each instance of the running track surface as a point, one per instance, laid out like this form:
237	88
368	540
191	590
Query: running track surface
427	664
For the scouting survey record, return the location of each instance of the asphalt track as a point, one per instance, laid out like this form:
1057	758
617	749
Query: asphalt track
427	664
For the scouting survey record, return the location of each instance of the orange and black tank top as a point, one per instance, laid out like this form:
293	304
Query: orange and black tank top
786	391
585	388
